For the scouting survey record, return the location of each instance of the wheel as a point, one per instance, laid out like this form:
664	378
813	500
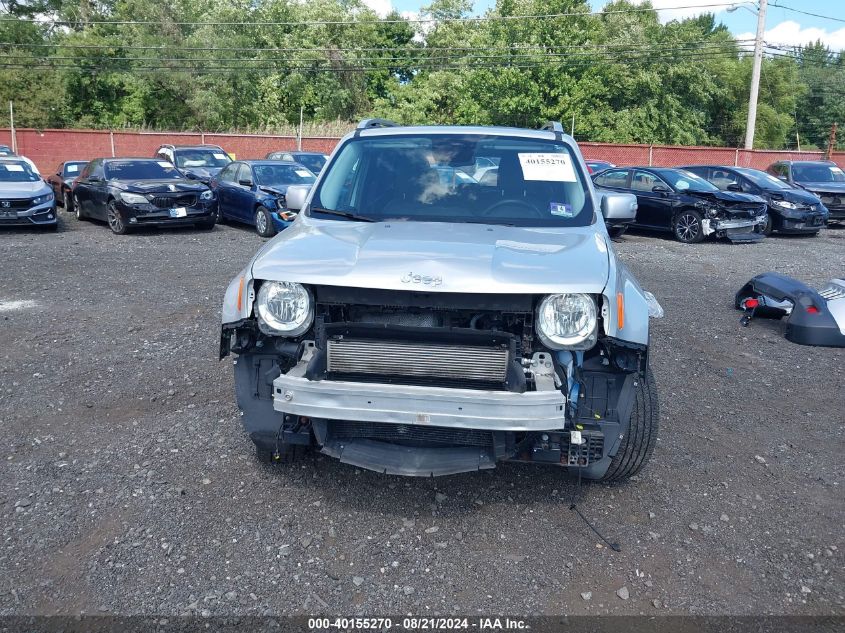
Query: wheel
116	223
617	231
264	223
768	227
641	437
78	208
67	201
207	225
688	228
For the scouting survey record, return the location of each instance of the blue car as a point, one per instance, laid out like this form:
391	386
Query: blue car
253	192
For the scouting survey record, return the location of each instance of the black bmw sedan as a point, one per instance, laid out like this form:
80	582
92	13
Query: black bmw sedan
691	208
791	209
131	192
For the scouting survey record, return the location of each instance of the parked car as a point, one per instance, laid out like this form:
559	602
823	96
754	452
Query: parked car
25	199
821	177
314	161
253	192
132	192
790	209
196	162
5	150
61	180
595	166
425	334
691	208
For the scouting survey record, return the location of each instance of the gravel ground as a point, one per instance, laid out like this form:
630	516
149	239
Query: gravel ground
127	485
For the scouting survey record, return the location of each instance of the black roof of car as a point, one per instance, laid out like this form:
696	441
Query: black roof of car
269	161
803	162
196	146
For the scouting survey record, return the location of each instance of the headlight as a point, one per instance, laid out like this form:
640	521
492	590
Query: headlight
47	197
567	321
133	198
284	308
784	204
208	194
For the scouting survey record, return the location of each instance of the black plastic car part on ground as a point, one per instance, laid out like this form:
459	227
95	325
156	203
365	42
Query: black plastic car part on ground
195	162
791	209
132	192
687	205
813	317
820	177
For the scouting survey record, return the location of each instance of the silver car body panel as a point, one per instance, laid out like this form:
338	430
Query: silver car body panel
450	257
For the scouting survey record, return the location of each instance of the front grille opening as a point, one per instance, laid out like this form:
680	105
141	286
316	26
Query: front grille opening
409	434
167	202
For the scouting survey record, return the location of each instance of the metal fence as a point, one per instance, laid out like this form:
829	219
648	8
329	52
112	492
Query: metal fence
49	147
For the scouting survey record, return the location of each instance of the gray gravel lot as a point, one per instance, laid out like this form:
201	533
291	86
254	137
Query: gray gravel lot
128	486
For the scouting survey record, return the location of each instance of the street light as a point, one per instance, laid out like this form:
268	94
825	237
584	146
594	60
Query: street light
751	122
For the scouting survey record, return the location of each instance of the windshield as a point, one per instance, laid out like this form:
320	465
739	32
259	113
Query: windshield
537	182
188	158
73	169
269	175
313	162
817	173
763	180
683	180
17	172
141	170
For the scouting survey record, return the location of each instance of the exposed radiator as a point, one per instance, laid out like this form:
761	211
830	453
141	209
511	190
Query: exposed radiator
400	358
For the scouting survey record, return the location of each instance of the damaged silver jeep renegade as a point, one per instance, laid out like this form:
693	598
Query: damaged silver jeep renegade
447	298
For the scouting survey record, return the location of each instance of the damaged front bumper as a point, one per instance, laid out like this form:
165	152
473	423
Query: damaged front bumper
736	229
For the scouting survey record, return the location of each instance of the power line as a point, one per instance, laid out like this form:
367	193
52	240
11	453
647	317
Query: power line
738	42
815	15
472	19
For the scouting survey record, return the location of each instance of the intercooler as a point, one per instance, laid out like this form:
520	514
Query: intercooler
488	364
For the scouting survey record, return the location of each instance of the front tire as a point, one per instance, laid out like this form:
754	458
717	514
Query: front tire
78	208
768	227
67	201
688	228
264	223
617	231
641	436
115	220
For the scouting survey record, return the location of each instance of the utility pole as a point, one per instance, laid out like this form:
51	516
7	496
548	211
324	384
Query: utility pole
12	127
299	136
755	76
831	143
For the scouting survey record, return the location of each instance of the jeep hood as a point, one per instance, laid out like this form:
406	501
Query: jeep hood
437	257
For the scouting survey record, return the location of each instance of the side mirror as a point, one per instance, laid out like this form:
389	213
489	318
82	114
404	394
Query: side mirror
246	182
619	206
661	189
735	187
295	196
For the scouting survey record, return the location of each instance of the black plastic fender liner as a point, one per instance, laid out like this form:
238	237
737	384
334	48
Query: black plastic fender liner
810	322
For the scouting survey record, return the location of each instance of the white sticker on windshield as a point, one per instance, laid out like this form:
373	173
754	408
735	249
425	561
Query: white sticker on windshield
71	168
164	163
14	167
837	171
562	209
547	166
302	173
220	156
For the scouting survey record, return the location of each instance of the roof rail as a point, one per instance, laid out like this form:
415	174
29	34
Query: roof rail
371	123
553	126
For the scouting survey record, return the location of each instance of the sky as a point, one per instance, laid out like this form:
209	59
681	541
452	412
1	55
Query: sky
782	26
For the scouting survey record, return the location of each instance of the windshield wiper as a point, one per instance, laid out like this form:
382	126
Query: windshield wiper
342	214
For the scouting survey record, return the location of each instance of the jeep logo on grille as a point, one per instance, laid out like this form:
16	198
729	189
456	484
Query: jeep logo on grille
425	280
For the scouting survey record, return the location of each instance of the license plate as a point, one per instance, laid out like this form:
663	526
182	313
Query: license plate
178	212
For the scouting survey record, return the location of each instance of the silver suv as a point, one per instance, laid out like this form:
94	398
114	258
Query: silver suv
415	320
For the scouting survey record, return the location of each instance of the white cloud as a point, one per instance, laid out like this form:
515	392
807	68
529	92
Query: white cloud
790	33
381	7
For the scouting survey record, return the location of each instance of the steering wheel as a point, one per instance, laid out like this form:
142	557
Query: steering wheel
512	202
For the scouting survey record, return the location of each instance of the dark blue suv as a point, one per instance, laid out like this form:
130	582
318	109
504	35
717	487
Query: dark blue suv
253	192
